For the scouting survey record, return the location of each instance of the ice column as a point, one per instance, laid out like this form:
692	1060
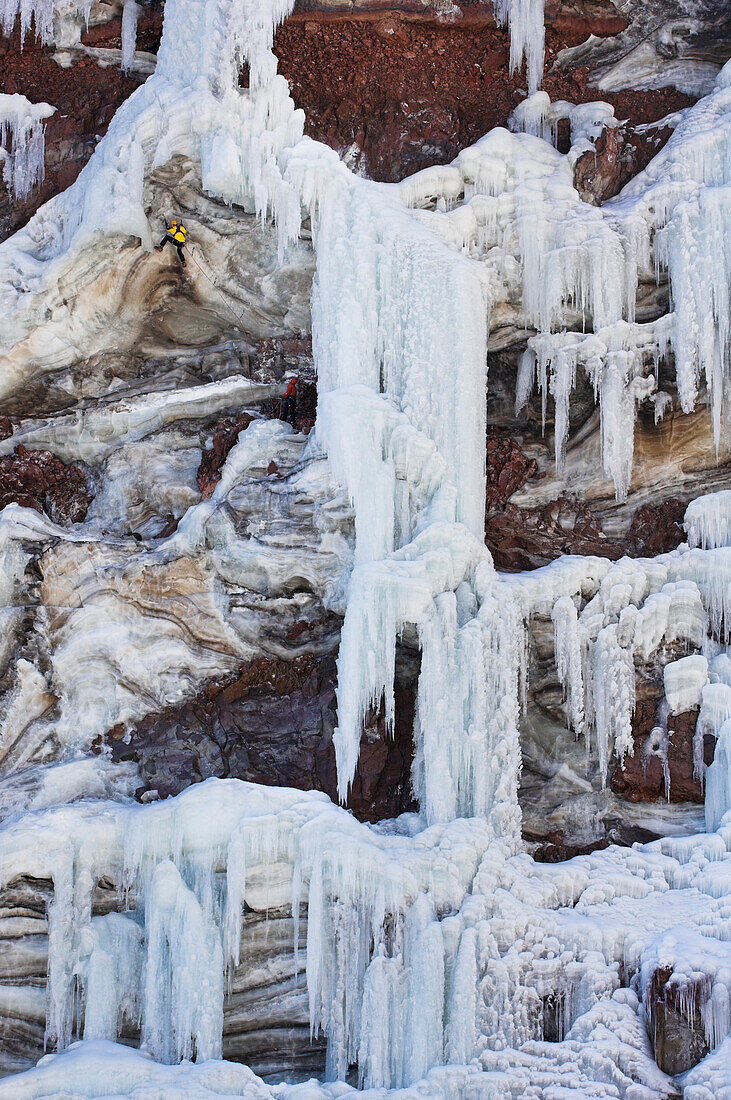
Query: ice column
570	644
718	780
183	995
466	731
396	310
130	14
110	969
400	336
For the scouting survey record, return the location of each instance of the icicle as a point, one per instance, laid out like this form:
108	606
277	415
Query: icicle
718	780
23	143
618	419
183	996
130	15
462	1001
569	649
526	380
110	969
613	690
527	36
529	117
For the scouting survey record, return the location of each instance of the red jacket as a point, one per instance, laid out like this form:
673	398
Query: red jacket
291	390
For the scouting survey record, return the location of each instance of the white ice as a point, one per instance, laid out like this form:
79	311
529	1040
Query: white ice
23	143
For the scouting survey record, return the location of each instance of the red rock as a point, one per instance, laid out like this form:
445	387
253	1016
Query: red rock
272	723
674	1020
641	777
657	528
418	91
620	153
525	538
213	458
508	469
555	850
40	480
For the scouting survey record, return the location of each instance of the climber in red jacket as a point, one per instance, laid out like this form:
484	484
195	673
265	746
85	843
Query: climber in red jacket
289	402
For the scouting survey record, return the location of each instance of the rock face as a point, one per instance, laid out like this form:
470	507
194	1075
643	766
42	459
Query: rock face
656	771
527	537
620	153
421	87
225	438
272	723
675	1023
421	84
40	480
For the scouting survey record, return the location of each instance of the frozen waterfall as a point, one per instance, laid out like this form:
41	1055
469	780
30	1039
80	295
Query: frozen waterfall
437	953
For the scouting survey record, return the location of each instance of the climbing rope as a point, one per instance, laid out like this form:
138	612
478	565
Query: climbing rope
228	307
235	316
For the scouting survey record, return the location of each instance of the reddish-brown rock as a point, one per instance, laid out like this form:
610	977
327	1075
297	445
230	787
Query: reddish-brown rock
526	538
225	438
272	723
657	528
674	1020
40	480
620	153
641	778
555	850
409	90
508	469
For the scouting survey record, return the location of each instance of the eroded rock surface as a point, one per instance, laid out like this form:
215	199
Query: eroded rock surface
272	723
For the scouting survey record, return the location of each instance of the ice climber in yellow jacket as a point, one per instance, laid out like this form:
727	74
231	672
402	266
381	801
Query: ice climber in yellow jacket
176	234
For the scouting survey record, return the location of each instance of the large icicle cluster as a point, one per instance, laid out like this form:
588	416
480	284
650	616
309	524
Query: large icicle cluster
23	143
40	13
189	873
403	378
510	201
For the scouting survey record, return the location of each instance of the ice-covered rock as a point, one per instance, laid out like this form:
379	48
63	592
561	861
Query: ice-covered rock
438	956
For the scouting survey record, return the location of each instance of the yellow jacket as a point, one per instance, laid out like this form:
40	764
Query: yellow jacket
178	232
